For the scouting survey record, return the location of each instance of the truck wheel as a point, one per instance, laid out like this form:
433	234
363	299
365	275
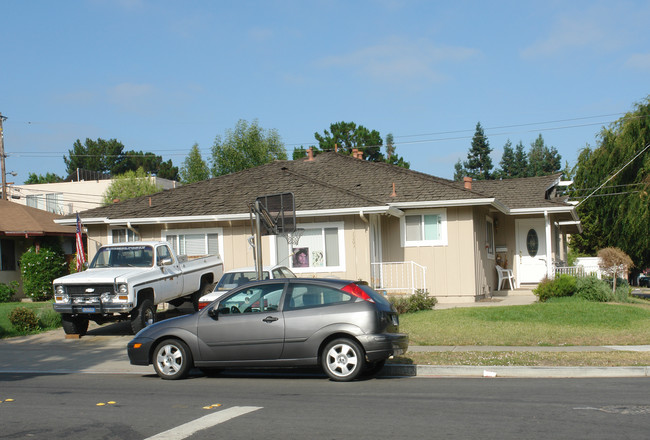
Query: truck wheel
74	324
172	359
203	290
144	315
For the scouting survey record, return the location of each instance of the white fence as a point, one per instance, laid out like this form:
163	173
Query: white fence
405	277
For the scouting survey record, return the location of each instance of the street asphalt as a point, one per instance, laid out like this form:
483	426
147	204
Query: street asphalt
103	351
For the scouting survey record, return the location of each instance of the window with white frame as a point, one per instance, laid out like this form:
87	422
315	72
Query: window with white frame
489	237
35	201
424	228
123	235
320	249
195	242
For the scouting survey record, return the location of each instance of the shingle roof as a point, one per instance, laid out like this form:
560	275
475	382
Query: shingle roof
529	192
330	181
17	219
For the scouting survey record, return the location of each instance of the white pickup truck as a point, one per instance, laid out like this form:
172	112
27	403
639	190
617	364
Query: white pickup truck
132	279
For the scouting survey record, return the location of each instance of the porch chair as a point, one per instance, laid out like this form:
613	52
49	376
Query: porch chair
505	275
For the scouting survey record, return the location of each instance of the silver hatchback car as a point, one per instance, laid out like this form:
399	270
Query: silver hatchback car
344	326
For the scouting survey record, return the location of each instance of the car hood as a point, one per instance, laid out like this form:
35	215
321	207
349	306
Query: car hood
106	275
185	322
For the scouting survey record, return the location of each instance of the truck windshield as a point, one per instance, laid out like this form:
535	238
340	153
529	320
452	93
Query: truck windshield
123	256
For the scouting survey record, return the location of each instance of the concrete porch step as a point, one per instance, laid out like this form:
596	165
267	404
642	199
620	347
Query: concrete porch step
522	291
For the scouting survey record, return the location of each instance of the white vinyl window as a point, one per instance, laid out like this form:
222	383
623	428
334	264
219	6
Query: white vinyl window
489	237
320	249
195	242
123	235
424	228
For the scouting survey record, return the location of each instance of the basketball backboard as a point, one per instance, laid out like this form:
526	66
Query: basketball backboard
277	213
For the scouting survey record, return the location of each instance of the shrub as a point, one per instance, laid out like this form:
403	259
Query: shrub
593	289
623	293
420	300
48	318
23	319
564	285
7	291
38	270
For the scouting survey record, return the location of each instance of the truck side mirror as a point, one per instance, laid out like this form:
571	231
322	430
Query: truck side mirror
166	262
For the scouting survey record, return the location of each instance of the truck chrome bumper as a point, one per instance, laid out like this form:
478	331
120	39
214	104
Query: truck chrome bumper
92	308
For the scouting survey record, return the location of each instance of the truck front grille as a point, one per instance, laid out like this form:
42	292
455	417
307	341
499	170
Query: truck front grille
85	291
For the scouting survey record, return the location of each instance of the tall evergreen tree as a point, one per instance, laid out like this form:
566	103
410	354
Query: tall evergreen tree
479	163
348	136
507	163
543	160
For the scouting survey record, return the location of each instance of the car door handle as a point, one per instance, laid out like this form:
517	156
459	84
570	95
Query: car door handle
270	319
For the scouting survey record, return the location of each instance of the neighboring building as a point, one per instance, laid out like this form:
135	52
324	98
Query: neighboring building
22	227
81	191
399	229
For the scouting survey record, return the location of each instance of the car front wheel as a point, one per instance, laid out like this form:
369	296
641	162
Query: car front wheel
343	360
172	359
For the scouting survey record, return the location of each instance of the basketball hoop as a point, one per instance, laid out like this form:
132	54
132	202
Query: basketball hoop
293	238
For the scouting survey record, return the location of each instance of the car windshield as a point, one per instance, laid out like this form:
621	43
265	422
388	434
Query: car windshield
123	256
230	280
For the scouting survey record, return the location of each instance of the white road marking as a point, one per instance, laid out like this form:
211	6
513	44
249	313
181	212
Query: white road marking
187	429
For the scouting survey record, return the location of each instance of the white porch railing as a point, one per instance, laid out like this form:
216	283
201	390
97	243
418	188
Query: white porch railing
405	277
577	271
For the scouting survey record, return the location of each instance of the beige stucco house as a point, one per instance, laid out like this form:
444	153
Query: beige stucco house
398	229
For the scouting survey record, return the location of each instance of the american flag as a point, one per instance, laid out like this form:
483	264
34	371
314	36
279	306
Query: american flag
81	256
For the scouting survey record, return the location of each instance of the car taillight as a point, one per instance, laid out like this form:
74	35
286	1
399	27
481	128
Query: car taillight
203	305
357	291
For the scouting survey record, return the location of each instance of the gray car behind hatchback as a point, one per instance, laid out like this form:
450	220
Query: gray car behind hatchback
344	326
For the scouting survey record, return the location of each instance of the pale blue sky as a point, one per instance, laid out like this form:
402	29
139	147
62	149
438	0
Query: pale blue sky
162	75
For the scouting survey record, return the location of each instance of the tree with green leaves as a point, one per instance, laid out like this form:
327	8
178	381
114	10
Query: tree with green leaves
543	160
194	168
479	163
514	162
149	162
247	146
108	156
130	185
348	136
39	178
618	214
100	155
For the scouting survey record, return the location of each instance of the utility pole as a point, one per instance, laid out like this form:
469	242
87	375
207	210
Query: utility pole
2	159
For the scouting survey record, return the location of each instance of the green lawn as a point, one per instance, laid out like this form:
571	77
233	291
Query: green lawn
566	321
42	309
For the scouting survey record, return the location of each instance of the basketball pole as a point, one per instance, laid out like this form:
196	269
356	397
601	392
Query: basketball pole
258	241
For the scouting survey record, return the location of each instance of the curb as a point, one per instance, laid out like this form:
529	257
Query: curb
512	372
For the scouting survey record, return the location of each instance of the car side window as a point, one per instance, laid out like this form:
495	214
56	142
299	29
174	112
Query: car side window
258	299
311	295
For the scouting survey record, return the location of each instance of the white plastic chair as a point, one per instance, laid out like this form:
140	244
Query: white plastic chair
505	275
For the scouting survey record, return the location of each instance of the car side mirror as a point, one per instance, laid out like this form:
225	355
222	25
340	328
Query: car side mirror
213	313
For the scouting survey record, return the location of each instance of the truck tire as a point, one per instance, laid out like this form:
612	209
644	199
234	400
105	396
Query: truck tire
74	324
203	290
143	316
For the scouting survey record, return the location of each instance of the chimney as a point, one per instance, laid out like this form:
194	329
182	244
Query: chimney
359	154
354	153
310	154
468	182
336	148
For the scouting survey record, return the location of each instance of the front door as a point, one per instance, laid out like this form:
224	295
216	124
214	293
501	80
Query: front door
531	250
249	326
